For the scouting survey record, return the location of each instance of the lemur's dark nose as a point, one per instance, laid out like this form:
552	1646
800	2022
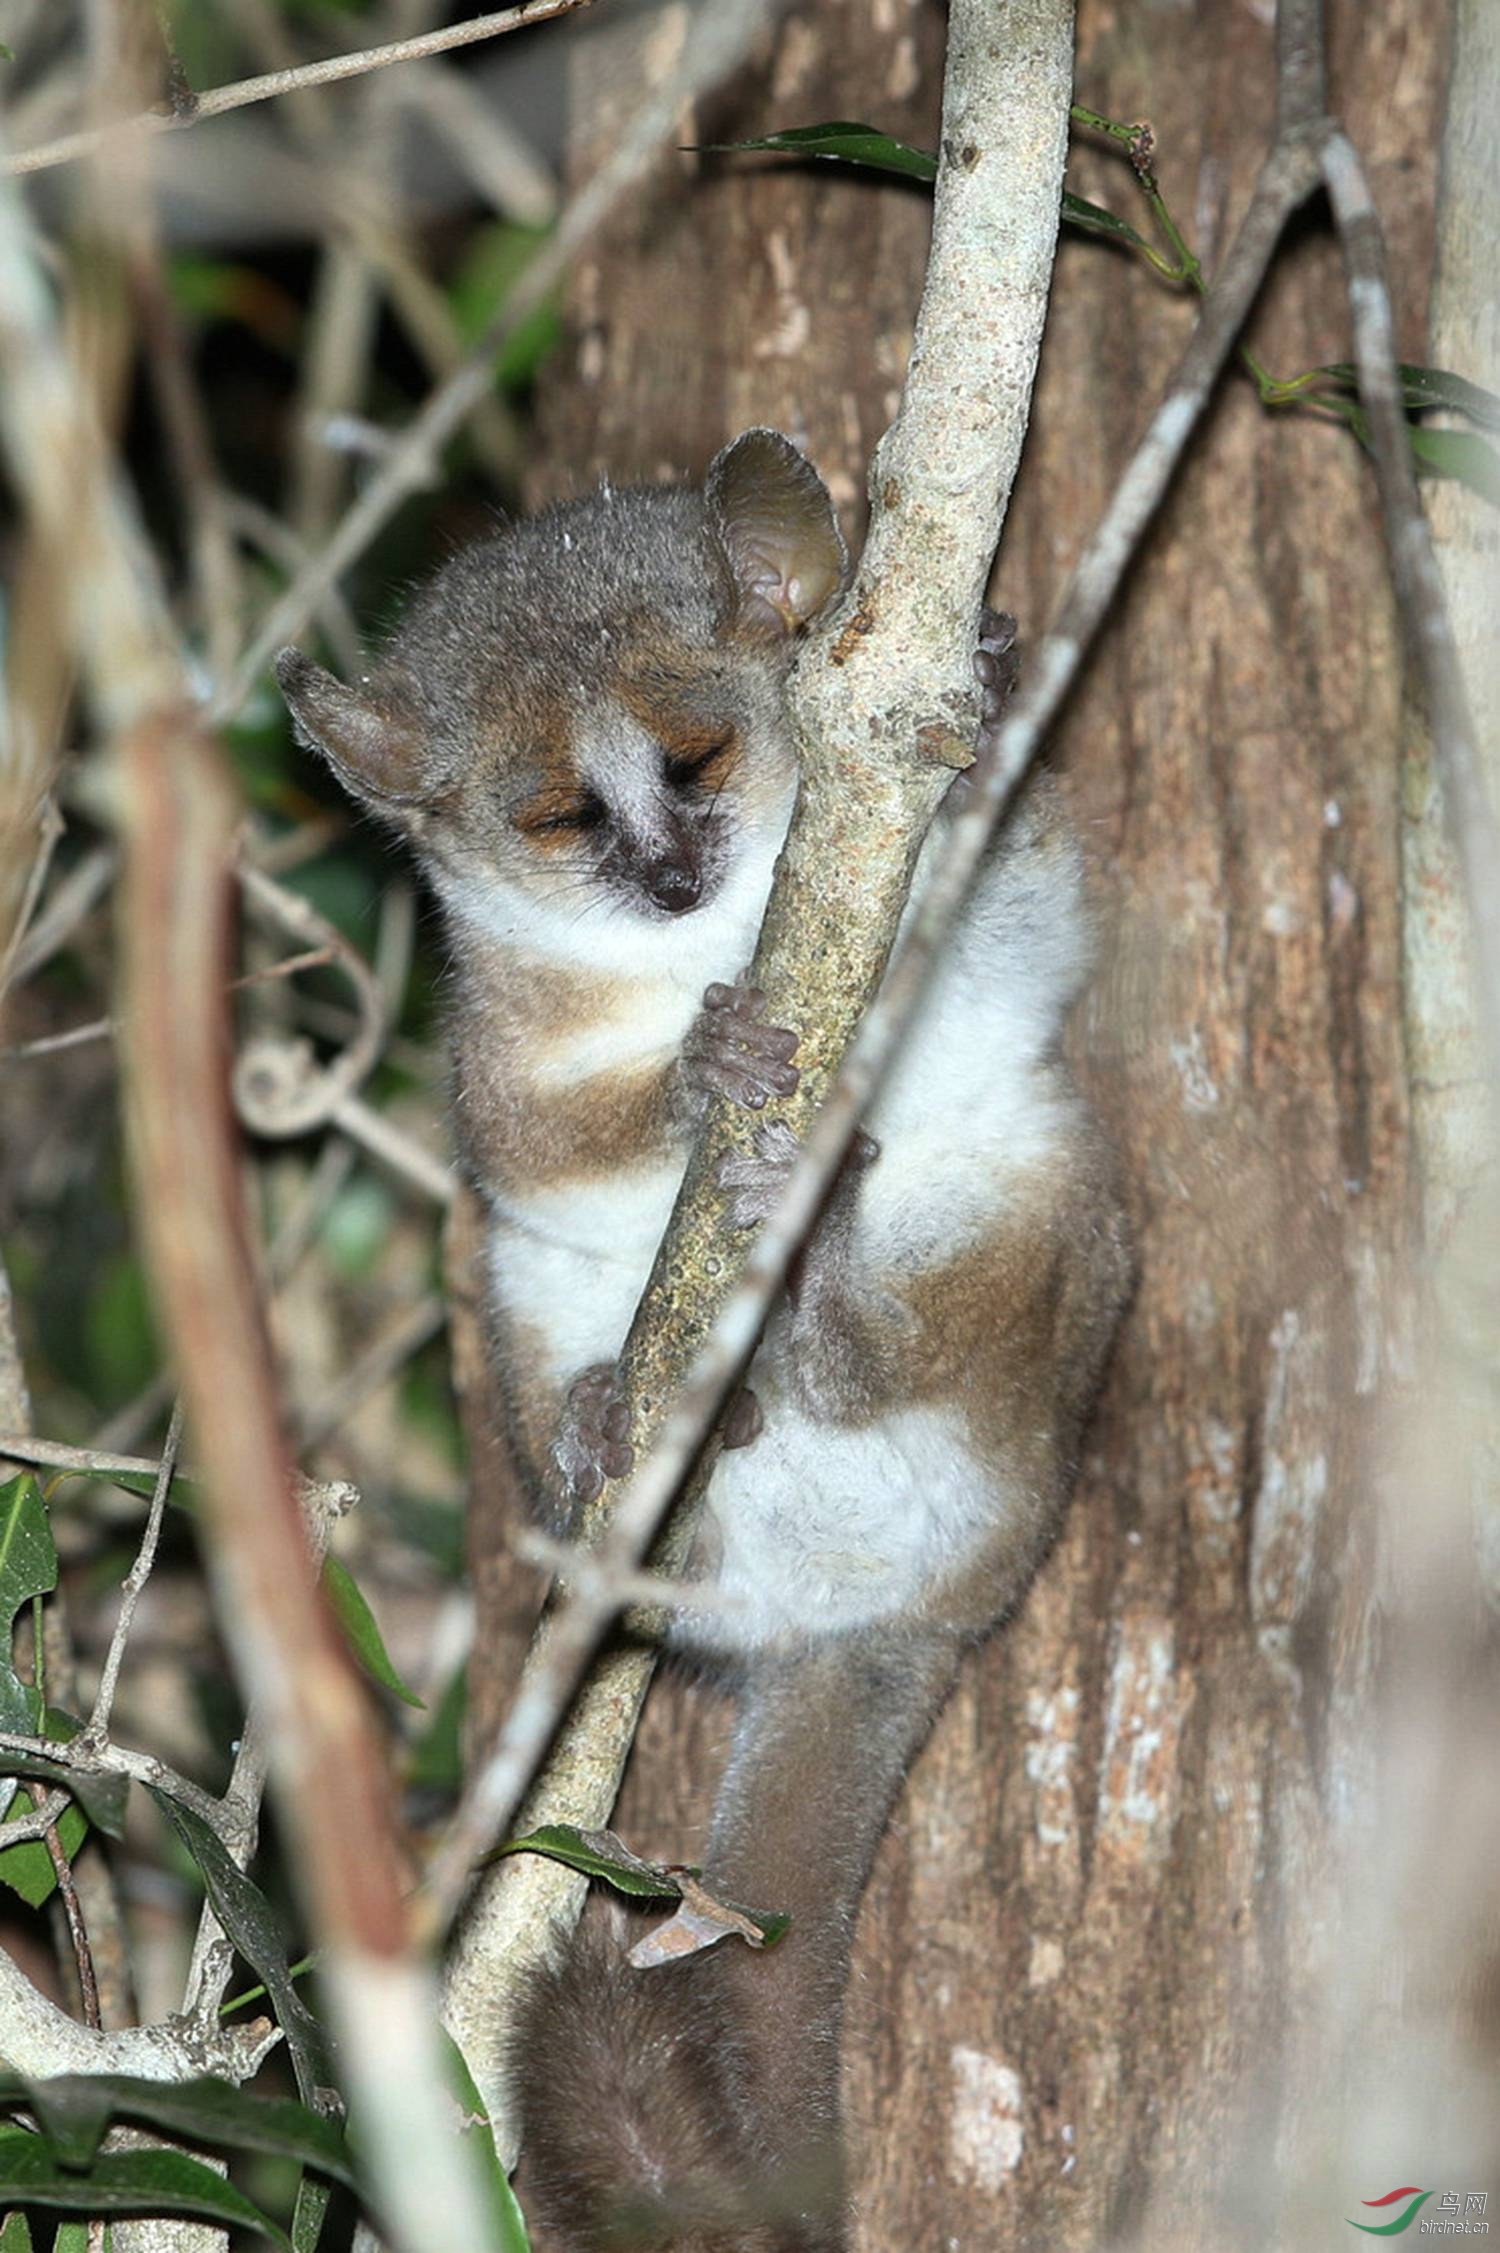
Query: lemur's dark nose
675	886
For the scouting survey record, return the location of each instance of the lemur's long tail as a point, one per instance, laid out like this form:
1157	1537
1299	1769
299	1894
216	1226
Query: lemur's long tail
695	2107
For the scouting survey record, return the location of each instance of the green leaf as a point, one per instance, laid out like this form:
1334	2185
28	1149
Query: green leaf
358	1622
1093	219
76	2108
125	2182
252	1924
28	1567
183	1492
27	1868
1430	387
1460	454
313	2195
510	2223
15	2234
598	1854
842	141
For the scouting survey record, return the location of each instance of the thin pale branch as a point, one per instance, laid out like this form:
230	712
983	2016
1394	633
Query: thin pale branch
130	1593
21	1830
271	84
38	2038
75	898
80	1757
1419	587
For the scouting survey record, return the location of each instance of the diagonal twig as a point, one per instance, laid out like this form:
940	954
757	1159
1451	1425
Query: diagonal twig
218	100
130	1593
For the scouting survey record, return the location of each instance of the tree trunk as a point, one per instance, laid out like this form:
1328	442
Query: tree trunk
1100	1928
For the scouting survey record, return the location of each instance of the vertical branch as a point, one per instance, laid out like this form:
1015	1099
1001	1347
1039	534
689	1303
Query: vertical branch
1419	586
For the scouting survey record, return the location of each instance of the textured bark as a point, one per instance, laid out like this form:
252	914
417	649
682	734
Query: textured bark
1102	1925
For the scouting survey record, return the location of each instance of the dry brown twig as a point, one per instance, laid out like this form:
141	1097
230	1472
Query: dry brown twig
83	1957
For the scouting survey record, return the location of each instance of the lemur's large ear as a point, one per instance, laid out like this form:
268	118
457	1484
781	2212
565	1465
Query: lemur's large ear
374	748
775	521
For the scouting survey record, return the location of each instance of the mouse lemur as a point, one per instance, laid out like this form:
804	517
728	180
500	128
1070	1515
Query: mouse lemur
581	728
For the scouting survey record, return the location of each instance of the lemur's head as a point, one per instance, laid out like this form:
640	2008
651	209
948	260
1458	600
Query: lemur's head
591	704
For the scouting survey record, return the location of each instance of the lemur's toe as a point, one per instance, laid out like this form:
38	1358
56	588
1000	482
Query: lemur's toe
732	1051
593	1440
997	631
744	1420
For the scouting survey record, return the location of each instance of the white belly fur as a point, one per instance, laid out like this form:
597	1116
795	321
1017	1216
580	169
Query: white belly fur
823	1527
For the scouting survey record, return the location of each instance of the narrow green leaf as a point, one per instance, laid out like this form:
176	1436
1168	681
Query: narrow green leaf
842	141
1093	219
28	1555
510	2223
76	2108
182	1492
598	1854
1431	387
364	1637
845	142
1460	454
308	2215
126	2182
72	2237
15	2234
252	1924
28	1567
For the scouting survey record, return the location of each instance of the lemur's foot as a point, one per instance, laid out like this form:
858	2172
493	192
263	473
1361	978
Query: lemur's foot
997	668
593	1440
758	1176
744	1420
731	1051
